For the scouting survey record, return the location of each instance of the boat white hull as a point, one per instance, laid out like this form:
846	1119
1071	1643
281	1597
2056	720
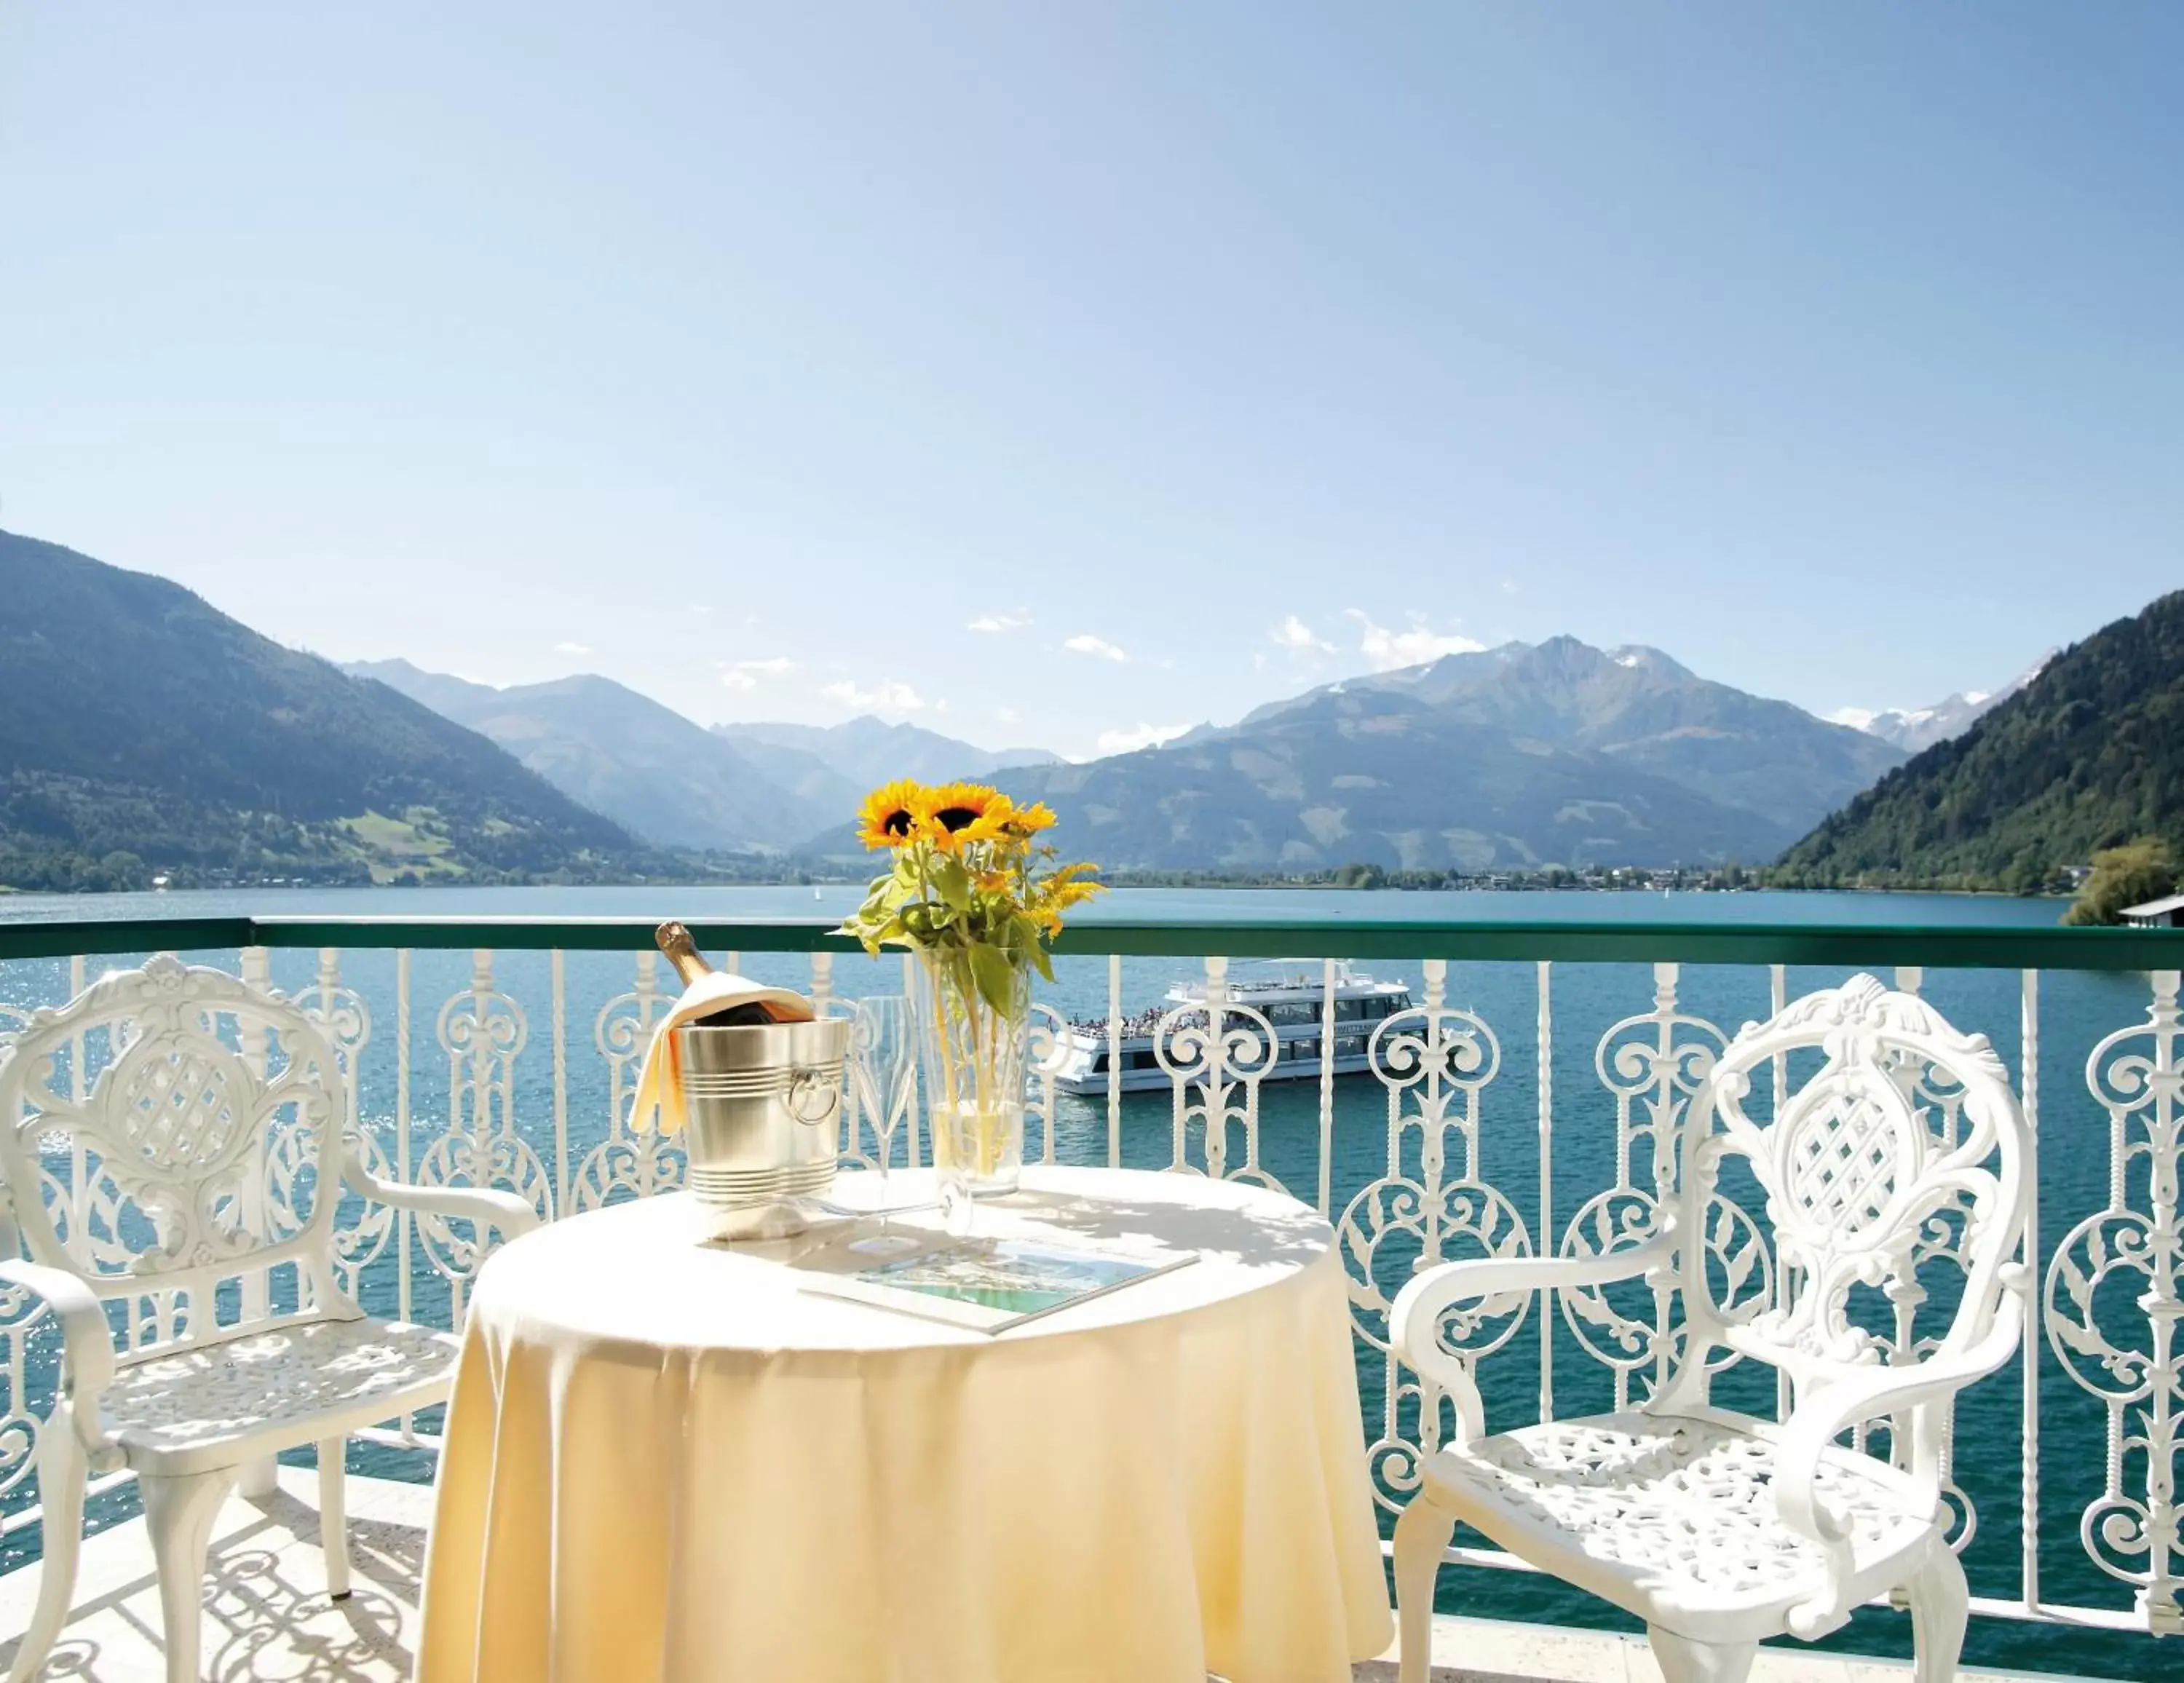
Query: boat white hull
1294	1009
1158	1080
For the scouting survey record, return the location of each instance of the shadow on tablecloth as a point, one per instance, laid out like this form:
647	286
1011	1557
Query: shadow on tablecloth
1251	1239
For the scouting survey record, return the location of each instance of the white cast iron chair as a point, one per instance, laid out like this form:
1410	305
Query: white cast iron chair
1717	1528
211	1159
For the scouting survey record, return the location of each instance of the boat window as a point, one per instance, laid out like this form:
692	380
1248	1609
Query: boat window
1144	1060
1099	1062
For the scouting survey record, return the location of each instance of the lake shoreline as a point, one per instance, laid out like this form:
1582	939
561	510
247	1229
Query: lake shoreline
1239	905
1210	885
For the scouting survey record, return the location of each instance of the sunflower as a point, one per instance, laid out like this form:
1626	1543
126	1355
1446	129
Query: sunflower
959	814
1029	821
894	814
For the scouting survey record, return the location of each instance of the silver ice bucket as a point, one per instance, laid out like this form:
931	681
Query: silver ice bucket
763	1115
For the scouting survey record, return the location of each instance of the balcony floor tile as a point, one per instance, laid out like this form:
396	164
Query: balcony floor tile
267	1616
268	1619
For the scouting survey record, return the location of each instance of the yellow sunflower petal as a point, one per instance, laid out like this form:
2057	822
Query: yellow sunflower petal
961	814
1029	821
894	814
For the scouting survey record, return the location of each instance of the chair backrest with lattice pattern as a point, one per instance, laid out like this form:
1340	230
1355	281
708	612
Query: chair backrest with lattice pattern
173	1136
1905	1144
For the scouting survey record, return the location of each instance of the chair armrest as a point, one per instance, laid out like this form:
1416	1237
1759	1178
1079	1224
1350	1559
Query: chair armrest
87	1341
513	1216
1434	1291
1813	1426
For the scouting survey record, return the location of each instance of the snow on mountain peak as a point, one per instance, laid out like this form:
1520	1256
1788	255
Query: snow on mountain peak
1914	728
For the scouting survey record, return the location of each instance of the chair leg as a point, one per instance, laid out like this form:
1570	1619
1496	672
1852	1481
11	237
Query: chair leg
1684	1661
333	1516
1939	1599
179	1513
61	1473
1422	1533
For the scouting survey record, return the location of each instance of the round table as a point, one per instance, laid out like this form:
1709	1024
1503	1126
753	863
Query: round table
666	1460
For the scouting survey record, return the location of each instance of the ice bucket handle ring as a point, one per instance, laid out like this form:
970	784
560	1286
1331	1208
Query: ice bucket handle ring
802	1084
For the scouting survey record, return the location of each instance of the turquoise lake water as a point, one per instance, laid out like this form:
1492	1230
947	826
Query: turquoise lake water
2076	1010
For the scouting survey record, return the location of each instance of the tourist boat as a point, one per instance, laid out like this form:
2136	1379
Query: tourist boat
1293	1001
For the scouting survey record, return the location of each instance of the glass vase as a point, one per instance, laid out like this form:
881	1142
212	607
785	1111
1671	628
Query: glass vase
973	1071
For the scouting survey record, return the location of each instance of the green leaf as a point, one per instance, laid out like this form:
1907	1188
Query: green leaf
953	881
996	976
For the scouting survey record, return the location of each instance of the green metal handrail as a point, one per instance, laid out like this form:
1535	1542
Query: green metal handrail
1942	946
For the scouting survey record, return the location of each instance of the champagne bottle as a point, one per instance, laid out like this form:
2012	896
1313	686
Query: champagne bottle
680	948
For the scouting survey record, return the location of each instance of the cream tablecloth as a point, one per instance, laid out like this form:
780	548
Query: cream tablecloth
665	1462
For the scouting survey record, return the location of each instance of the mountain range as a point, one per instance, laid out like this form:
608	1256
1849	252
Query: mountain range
1527	754
670	781
1520	755
142	729
866	750
2088	755
677	784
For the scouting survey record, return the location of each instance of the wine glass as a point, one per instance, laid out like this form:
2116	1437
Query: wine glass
883	1074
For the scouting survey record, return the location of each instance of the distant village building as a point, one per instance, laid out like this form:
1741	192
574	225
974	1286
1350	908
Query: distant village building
2157	914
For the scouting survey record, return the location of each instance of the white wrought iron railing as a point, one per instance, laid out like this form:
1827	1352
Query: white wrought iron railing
505	1053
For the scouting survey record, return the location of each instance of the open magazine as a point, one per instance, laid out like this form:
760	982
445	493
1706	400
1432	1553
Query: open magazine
990	1284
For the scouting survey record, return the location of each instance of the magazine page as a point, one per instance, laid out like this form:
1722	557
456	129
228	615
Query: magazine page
988	1284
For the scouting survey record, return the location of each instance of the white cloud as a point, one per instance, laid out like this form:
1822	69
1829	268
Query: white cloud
1294	634
887	696
746	674
1387	649
1858	718
570	649
999	623
1145	736
1007	715
1099	647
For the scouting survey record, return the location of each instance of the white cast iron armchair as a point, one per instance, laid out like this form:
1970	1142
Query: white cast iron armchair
1717	1528
186	1203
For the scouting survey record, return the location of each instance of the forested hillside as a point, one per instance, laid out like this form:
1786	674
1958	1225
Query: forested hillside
2088	755
142	731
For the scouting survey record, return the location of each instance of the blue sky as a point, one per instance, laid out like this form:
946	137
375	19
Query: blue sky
1058	374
